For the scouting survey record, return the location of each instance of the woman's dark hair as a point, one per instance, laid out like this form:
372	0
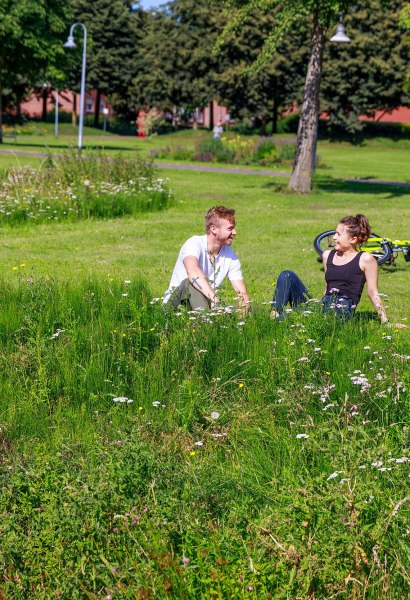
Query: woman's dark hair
357	226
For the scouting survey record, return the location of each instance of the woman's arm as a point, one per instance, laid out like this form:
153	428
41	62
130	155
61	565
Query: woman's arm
325	256
369	265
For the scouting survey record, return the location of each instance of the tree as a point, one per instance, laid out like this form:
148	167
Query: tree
115	32
369	73
178	69
321	14
31	43
268	91
405	22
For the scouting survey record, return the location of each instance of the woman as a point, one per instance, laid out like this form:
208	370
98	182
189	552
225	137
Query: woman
347	269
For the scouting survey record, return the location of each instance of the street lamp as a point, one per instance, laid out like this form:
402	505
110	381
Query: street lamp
340	35
70	43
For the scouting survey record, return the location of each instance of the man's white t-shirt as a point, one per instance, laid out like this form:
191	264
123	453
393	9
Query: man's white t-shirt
225	264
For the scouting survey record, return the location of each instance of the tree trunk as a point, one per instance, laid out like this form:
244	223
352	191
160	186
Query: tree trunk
301	180
74	113
275	117
44	110
97	108
211	115
1	112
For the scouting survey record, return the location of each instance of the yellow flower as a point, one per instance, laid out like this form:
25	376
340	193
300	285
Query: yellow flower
23	265
15	268
241	385
192	453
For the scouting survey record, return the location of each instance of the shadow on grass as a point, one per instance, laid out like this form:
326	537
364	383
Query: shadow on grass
329	184
49	148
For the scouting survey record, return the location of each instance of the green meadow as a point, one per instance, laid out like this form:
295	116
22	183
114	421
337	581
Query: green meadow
152	454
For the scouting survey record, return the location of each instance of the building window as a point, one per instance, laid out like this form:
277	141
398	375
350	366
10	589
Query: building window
89	105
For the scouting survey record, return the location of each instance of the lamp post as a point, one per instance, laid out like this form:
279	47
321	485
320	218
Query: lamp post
105	113
70	43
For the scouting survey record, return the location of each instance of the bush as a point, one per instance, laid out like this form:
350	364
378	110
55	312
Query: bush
210	150
287	151
71	188
265	149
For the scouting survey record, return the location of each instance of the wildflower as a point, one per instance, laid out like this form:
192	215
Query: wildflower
241	385
378	463
304	359
301	435
86	182
310	341
317	349
215	415
198	443
192	453
156	403
121	399
127	281
125	295
250	588
185	560
15	268
333	475
366	348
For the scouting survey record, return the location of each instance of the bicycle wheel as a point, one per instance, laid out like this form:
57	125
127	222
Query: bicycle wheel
380	249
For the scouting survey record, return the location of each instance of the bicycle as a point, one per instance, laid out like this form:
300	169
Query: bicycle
385	250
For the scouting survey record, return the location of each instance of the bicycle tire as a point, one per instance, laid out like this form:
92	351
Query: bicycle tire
382	255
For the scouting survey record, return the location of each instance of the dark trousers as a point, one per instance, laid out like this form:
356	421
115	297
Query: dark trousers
290	289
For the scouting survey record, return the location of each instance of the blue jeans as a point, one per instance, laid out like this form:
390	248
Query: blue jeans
289	290
341	305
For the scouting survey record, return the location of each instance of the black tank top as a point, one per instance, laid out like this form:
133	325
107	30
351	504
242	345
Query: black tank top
345	280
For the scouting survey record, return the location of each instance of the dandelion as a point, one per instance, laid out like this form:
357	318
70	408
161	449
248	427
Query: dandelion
215	415
241	385
301	435
15	268
192	453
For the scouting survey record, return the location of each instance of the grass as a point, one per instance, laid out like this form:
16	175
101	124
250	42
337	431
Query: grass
256	459
338	160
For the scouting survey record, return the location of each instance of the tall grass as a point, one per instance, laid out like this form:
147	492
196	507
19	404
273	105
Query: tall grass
147	454
73	188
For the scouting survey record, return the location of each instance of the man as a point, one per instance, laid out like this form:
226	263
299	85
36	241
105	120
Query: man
203	263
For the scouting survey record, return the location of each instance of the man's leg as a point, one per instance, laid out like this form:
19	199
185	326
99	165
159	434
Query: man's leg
289	289
188	295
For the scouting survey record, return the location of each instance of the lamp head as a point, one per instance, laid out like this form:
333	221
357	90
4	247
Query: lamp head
70	43
340	35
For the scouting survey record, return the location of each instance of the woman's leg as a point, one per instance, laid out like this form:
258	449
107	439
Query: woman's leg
289	289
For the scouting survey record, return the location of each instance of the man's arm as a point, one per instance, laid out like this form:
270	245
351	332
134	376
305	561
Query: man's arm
243	296
197	278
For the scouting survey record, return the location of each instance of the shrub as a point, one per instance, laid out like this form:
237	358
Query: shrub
209	150
287	151
265	149
75	188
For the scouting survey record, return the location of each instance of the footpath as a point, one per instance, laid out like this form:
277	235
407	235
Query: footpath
214	169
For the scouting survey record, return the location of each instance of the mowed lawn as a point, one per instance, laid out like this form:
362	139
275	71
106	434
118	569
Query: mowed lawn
275	231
